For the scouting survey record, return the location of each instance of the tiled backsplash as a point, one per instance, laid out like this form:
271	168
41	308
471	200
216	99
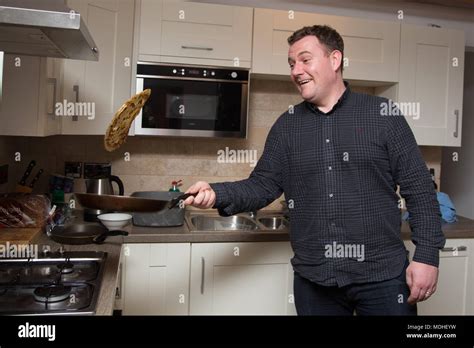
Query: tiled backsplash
154	162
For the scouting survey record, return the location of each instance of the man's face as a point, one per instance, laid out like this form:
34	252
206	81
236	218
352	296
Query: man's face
313	70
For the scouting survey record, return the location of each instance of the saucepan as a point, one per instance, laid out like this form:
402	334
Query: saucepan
127	203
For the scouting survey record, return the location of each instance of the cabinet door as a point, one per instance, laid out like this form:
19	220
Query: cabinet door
431	74
103	85
242	279
19	106
156	279
454	281
371	47
195	33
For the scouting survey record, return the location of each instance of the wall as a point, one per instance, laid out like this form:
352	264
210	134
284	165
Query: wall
155	162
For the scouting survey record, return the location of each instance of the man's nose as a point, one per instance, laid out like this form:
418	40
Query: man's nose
297	70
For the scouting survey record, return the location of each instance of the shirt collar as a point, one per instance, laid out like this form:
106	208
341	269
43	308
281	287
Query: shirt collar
339	103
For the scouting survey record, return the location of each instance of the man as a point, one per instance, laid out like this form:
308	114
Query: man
338	160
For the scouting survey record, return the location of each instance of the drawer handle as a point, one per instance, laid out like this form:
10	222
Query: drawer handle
459	248
203	264
456	114
197	48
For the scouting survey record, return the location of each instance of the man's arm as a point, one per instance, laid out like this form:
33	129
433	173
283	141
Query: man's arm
262	187
416	187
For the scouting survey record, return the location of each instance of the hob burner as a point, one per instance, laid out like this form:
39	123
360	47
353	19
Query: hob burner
52	293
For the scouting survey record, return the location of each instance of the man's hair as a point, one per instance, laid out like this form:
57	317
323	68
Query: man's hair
329	37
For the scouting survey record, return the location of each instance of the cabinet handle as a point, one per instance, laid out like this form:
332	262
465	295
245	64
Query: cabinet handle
203	264
1	76
456	114
459	248
75	88
197	48
118	292
54	82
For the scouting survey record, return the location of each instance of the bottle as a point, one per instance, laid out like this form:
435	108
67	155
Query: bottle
174	186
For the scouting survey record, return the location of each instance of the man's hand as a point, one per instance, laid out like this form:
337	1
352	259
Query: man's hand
421	279
204	199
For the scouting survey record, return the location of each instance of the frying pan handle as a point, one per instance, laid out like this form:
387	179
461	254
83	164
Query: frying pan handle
101	237
174	202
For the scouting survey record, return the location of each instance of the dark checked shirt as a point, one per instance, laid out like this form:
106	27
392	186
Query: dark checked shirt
339	172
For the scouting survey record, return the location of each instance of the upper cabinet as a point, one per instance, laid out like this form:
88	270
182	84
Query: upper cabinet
30	92
195	33
371	49
99	88
431	78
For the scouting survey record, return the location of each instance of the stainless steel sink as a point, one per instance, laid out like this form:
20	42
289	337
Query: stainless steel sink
210	223
274	222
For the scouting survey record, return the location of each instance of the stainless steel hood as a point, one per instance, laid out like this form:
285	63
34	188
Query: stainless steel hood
44	28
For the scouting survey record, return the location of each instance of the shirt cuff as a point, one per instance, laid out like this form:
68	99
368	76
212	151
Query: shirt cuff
222	198
426	254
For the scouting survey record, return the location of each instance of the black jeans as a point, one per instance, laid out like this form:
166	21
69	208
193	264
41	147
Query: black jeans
388	297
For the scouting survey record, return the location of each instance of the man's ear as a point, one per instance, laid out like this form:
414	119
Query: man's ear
336	59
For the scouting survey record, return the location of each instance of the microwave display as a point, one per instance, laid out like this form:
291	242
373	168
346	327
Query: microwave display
193	102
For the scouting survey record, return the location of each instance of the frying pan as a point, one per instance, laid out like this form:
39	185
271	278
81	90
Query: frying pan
126	203
83	234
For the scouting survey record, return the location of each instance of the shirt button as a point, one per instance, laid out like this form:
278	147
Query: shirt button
330	195
330	168
333	224
327	140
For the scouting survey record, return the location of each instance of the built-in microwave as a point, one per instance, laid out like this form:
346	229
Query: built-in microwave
197	101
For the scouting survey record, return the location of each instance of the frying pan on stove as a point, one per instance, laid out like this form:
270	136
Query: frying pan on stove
83	234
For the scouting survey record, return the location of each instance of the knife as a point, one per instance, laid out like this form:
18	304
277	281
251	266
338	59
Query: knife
27	173
35	179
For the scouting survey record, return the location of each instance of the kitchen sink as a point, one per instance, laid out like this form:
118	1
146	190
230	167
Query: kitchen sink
211	223
274	222
205	222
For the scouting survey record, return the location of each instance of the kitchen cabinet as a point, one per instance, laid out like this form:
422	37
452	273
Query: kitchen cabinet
101	87
431	74
371	49
30	91
207	278
241	279
155	279
195	33
455	289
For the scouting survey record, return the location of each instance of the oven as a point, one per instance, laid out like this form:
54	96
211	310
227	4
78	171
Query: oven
195	101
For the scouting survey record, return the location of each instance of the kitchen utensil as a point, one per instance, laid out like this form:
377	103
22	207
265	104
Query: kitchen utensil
127	204
21	187
83	234
163	218
115	220
35	179
117	131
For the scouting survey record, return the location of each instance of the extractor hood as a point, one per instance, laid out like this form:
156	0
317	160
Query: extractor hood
45	28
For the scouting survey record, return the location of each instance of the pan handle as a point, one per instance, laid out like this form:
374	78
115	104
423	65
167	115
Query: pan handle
174	202
101	237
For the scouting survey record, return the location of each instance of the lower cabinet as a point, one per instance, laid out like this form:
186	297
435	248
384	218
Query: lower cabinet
241	279
155	279
455	289
207	279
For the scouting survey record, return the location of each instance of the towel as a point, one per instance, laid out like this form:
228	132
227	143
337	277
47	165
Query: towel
446	207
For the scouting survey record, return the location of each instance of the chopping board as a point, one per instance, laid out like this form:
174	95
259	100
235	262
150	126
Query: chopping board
20	235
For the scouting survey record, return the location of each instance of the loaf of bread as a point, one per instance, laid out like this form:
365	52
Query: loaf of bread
23	210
